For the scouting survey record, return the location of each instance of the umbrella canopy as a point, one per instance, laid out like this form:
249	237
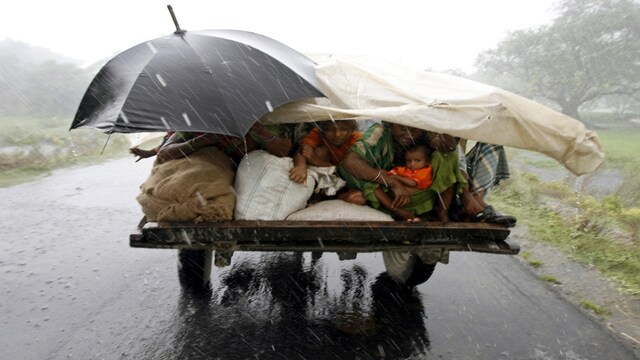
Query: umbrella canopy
444	103
216	81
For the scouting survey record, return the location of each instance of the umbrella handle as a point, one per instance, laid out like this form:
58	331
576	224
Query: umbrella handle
175	20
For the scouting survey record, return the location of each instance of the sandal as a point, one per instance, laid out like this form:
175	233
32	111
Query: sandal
489	215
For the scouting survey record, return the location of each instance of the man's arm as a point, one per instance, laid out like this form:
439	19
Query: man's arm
176	147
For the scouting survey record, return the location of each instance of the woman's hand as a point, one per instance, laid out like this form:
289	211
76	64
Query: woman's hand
401	196
442	142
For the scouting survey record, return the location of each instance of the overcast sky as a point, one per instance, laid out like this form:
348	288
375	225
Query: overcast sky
422	33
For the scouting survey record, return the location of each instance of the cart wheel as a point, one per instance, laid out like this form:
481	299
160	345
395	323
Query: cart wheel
194	268
407	268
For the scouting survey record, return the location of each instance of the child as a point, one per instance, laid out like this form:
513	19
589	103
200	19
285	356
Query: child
325	145
416	176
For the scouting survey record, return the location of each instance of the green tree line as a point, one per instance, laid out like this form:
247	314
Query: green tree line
38	83
588	56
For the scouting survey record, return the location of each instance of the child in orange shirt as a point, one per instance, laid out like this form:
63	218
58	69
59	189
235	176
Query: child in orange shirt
325	145
416	175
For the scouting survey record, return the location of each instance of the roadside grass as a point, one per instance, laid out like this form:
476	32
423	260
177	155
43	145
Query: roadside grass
33	147
604	233
535	263
550	279
597	309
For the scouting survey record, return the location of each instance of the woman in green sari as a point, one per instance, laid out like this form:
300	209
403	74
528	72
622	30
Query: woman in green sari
382	147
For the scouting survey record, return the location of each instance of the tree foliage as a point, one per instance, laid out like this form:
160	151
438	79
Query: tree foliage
590	51
36	82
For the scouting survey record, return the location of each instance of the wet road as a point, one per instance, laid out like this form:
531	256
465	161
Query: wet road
73	289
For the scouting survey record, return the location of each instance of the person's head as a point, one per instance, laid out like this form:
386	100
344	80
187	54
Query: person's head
405	135
417	157
337	132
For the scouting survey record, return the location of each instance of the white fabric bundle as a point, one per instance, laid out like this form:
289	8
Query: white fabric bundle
265	192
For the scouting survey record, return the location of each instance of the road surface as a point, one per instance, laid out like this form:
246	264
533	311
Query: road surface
72	288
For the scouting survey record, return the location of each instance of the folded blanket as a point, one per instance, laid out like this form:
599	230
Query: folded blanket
197	188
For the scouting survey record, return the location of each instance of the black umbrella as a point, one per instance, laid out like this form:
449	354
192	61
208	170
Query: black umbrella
216	81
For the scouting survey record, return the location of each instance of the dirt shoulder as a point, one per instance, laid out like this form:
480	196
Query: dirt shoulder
580	283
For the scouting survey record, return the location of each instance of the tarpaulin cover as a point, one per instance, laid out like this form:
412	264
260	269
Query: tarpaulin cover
363	88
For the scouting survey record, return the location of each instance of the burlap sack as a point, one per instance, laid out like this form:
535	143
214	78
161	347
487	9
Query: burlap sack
197	188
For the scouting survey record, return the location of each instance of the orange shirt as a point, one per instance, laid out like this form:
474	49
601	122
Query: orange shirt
314	138
421	176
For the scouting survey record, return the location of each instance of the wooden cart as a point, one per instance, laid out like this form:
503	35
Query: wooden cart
421	245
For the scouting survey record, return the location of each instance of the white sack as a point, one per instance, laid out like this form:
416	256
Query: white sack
265	192
338	210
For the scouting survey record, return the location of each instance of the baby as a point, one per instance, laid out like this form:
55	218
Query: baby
415	176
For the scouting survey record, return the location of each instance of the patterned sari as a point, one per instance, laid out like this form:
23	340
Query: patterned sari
378	149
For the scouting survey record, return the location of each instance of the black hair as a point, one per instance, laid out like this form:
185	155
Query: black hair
324	125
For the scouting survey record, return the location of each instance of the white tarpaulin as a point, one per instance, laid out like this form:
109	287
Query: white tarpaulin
447	104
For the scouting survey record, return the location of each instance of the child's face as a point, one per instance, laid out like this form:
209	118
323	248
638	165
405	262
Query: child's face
337	133
416	159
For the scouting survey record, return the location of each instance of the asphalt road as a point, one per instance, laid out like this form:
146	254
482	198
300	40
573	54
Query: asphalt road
72	288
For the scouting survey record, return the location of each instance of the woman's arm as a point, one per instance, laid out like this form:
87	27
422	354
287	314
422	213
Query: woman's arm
442	142
360	169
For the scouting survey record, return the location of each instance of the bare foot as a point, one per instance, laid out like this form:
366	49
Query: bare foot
406	215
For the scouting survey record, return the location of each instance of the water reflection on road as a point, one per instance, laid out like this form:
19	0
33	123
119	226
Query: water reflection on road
294	305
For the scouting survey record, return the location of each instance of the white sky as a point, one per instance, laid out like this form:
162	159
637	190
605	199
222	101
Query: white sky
442	34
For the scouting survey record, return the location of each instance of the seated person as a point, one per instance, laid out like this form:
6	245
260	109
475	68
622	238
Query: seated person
417	172
143	154
416	176
382	147
325	145
275	139
484	166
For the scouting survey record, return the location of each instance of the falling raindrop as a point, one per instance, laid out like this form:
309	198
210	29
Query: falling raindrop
152	48
269	106
185	237
161	80
124	118
201	199
186	119
164	122
73	147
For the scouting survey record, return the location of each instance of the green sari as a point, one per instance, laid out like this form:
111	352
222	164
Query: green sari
377	148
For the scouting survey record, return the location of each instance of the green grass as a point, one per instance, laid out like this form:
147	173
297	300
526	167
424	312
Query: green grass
621	148
593	307
604	233
47	144
535	263
550	279
587	232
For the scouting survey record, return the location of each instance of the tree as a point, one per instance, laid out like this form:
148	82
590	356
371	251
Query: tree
591	50
37	82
